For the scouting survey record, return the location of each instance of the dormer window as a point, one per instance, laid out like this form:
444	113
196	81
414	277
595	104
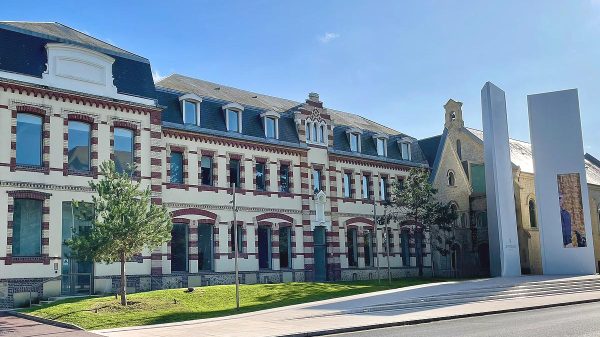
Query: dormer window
271	124
190	113
190	105
233	121
316	132
354	141
381	144
270	127
233	117
405	151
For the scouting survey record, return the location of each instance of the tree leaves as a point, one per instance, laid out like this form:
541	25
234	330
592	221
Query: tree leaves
124	221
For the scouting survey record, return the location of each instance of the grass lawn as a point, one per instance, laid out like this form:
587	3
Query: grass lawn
174	305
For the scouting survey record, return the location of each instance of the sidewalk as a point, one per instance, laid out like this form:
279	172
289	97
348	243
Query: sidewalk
20	327
386	308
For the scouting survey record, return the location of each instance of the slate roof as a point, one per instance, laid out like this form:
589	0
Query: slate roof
212	119
246	98
430	146
522	156
23	51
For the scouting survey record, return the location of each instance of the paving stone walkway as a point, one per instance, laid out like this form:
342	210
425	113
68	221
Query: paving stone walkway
20	327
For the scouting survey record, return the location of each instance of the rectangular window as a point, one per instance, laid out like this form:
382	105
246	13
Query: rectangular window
190	113
179	247
405	248
176	168
365	187
79	146
29	140
347	185
383	188
234	120
285	247
123	149
405	147
316	180
380	146
389	237
270	129
354	142
352	245
264	247
240	238
260	176
205	244
206	171
234	173
368	246
27	228
284	178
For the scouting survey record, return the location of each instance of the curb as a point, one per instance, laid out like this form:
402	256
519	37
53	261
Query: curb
431	320
45	320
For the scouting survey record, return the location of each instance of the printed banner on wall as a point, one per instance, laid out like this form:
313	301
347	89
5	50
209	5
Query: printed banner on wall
571	210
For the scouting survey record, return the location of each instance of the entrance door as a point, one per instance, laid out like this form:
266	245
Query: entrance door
320	256
77	275
264	247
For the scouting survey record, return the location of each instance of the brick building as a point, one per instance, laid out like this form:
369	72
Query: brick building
307	177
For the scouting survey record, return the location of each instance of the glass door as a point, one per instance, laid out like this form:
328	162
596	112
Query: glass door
76	275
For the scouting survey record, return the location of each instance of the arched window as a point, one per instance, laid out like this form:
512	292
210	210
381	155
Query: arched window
532	217
463	220
314	132
451	179
321	133
455	210
458	149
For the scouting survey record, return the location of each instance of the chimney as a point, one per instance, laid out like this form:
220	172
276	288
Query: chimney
313	96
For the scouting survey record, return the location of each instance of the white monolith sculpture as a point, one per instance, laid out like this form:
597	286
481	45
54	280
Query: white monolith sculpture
561	191
501	214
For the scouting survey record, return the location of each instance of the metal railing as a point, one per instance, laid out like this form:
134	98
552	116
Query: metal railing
32	287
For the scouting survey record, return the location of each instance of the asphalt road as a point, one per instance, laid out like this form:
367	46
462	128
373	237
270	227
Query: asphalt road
573	320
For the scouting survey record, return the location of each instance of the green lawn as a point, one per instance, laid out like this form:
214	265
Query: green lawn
174	305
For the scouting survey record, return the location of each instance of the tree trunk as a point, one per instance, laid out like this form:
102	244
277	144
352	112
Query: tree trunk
123	281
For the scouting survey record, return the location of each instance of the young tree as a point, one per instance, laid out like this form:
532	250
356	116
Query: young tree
414	204
124	222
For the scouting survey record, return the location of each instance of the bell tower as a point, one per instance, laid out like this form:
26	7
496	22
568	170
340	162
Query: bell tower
453	114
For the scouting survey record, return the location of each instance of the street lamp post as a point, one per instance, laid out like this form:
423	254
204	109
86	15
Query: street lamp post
387	242
235	256
376	230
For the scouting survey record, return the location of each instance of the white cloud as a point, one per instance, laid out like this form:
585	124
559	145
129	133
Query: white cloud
156	76
328	37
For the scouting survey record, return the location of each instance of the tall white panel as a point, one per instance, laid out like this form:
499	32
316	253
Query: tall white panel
502	219
557	145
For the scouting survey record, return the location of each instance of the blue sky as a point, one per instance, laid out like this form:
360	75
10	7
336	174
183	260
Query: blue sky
395	62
